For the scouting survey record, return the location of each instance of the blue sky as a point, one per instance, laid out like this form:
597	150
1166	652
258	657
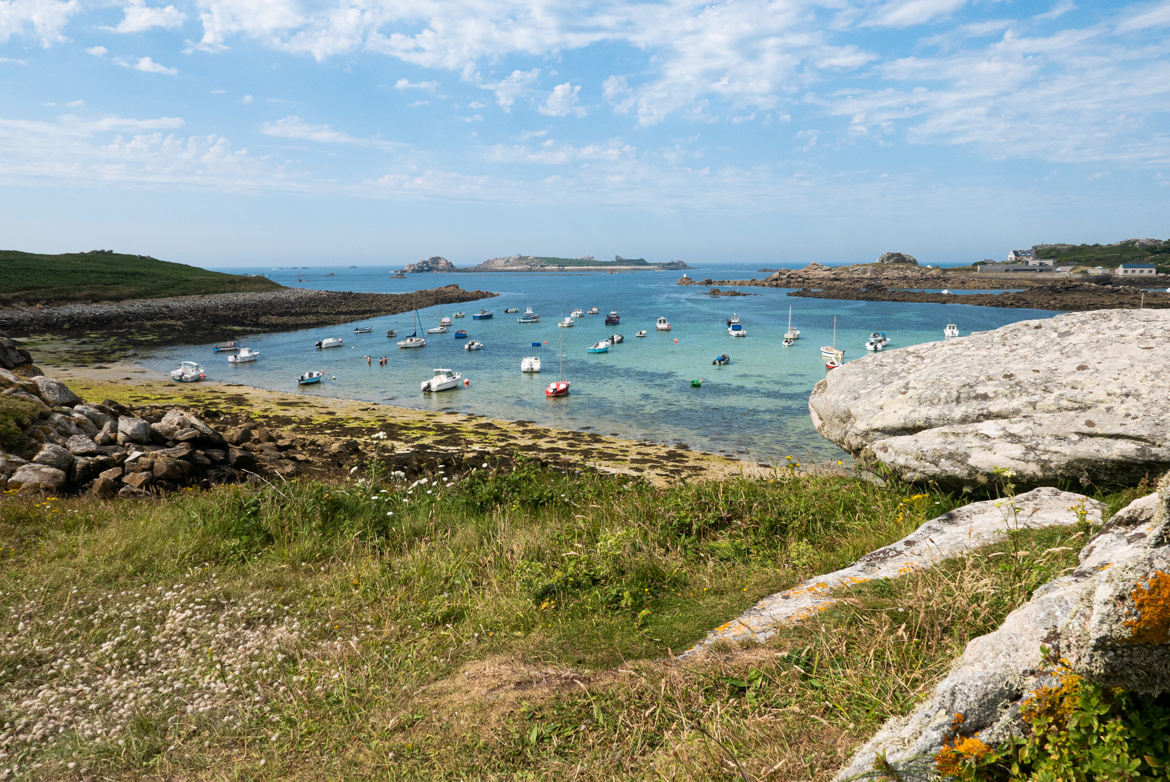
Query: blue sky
241	132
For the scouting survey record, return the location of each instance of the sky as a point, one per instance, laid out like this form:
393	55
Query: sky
309	132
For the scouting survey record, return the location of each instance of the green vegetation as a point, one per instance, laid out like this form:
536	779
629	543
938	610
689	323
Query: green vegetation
1109	255
16	415
1075	730
102	275
509	622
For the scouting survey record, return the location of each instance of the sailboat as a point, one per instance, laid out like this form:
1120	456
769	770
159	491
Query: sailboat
414	340
830	353
792	334
559	387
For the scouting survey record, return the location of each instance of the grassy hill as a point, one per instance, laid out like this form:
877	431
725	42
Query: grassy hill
553	261
1109	255
101	275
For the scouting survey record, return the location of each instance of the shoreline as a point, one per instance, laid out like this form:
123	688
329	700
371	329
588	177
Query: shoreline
404	430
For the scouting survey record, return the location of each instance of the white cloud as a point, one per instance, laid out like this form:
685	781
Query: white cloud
138	17
563	101
407	84
515	85
1147	17
147	65
247	99
293	127
551	153
97	51
906	13
46	18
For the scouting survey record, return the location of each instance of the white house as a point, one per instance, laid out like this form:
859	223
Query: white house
1136	270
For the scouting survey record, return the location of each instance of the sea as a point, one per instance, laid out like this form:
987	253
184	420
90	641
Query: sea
754	408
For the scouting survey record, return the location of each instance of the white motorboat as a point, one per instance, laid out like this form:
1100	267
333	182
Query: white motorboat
877	341
445	321
616	339
443	380
530	364
951	330
329	342
662	324
566	322
792	334
437	330
311	377
593	311
412	342
510	310
737	330
733	319
188	372
529	316
458	315
362	329
245	355
641	333
577	313
473	344
598	347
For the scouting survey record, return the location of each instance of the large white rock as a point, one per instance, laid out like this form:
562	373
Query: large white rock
1080	397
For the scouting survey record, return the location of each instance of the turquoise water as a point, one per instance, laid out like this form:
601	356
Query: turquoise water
756	407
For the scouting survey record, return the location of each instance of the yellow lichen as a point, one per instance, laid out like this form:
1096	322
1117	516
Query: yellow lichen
1151	607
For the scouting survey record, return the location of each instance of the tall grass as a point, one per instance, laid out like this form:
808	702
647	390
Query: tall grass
499	622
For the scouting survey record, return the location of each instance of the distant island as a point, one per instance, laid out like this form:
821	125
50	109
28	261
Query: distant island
541	263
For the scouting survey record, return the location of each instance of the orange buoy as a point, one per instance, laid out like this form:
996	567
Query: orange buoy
466	382
676	340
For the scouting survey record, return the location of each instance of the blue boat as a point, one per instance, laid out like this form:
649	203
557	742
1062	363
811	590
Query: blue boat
309	378
598	347
461	334
482	315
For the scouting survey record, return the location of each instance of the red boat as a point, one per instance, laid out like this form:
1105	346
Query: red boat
557	388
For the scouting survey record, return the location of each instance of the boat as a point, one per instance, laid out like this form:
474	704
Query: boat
616	339
188	372
442	380
830	352
598	347
482	315
566	322
612	319
593	311
722	360
445	321
245	355
527	318
577	313
457	315
392	333
460	333
641	333
311	377
473	344
509	310
946	292
736	330
398	275
833	363
530	364
662	324
437	330
733	319
787	341
792	334
559	387
879	336
414	340
362	329
951	330
697	383
874	344
225	347
329	342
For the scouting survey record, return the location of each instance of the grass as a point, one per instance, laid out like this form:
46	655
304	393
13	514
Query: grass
1109	255
102	275
502	623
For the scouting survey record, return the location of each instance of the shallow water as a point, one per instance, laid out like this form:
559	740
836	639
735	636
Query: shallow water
756	407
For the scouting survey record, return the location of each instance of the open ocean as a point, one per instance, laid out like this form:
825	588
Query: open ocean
754	408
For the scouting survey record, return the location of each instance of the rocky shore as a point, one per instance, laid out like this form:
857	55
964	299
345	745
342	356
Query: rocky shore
892	282
186	319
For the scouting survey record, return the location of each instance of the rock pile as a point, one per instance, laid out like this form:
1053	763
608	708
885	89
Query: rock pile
52	441
15	358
